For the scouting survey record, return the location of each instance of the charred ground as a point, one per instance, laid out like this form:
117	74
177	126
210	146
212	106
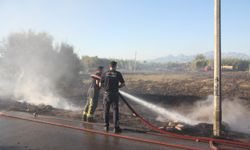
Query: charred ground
170	89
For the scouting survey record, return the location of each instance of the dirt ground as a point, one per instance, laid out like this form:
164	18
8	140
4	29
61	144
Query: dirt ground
175	87
196	85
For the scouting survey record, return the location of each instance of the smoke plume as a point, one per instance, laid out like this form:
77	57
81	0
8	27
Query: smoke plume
235	112
35	71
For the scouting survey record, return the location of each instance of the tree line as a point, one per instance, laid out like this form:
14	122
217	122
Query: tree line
237	64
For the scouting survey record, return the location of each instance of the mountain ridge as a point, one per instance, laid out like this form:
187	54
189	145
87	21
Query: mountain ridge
209	55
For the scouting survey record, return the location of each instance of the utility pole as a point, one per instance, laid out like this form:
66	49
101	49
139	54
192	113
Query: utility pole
217	69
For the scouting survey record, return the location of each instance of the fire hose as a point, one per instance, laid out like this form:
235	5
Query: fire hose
187	137
138	139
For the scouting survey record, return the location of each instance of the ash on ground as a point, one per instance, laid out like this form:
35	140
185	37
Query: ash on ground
202	129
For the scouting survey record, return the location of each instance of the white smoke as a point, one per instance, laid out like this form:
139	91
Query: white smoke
33	70
235	113
162	112
34	90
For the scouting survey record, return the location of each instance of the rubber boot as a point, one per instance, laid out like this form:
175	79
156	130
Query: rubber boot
84	117
106	129
117	130
90	119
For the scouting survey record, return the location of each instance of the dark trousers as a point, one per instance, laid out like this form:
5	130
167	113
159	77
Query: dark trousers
92	102
111	99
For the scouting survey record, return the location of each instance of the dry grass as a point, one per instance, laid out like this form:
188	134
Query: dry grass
157	77
234	84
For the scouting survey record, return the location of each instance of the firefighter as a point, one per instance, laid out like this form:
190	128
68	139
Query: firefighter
93	95
111	81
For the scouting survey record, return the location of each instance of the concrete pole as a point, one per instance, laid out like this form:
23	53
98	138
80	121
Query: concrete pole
217	69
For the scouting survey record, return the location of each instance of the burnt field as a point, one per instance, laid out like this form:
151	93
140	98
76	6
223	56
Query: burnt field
188	85
191	95
187	94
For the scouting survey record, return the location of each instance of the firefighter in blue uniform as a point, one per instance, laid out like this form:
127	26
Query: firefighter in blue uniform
93	95
111	81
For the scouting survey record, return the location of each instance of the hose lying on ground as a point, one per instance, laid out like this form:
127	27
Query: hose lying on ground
138	139
187	137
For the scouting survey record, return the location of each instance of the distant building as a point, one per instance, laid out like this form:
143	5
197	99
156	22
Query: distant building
228	68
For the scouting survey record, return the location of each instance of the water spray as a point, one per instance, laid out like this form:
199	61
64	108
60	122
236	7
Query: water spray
162	112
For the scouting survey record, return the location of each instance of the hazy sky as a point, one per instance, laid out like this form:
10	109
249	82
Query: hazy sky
118	28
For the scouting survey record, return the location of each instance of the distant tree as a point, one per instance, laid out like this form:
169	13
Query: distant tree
91	63
69	64
200	61
200	57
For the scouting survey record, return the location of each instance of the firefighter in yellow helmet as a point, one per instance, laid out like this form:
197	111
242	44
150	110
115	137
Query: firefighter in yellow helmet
93	96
